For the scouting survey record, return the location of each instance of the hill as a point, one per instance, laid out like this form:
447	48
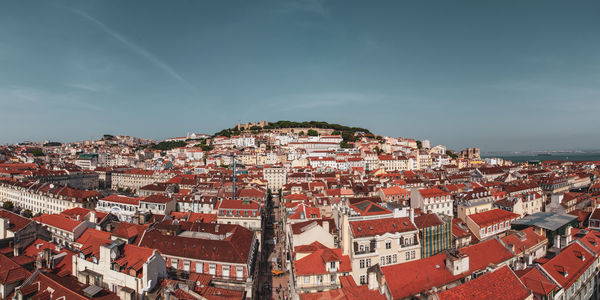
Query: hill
348	133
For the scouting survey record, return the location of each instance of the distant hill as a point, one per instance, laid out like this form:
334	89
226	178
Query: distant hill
292	124
348	133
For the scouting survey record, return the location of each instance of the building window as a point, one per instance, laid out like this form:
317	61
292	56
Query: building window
412	254
306	279
332	278
199	267
332	266
363	279
407	255
174	263
212	269
395	258
388	244
186	266
362	263
225	271
388	259
368	261
239	272
383	260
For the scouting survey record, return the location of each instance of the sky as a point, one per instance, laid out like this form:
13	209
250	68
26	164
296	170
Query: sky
501	75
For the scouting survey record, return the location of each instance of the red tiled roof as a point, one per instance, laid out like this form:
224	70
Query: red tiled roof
238	204
457	231
251	193
569	264
531	238
58	221
66	287
316	262
537	282
308	212
234	248
312	247
369	208
11	272
394	190
434	192
494	216
427	220
411	278
296	197
595	215
123	199
16	222
128	230
500	284
348	291
297	228
381	226
91	240
484	253
156	199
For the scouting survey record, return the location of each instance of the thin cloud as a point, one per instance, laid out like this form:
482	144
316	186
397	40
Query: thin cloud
137	49
323	100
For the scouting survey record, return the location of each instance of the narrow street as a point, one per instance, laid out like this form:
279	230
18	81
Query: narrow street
273	277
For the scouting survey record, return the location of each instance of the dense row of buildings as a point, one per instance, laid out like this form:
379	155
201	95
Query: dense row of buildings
371	217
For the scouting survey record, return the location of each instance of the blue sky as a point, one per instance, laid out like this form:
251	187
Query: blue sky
505	75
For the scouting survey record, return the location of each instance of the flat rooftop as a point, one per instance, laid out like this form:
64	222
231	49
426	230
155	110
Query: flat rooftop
546	220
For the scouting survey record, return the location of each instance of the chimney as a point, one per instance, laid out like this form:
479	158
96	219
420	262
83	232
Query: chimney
93	216
411	214
326	225
540	231
372	280
345	233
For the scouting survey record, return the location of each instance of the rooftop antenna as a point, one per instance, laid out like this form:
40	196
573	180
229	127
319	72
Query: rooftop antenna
234	175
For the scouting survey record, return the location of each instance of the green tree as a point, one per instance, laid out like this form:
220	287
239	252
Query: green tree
419	144
451	154
206	147
27	213
37	152
164	146
8	205
312	132
301	133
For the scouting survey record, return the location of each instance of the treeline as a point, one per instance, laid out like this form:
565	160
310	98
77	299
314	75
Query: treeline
314	124
345	131
164	146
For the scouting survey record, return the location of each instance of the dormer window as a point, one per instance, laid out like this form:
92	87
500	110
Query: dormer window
562	270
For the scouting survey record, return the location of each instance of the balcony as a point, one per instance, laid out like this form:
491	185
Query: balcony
408	245
319	287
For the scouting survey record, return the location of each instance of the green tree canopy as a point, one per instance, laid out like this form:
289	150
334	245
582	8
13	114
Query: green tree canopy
37	152
8	205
